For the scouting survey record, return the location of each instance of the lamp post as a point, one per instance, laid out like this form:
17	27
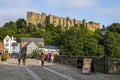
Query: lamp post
104	42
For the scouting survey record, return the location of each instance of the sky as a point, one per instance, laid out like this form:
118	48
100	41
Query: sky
104	12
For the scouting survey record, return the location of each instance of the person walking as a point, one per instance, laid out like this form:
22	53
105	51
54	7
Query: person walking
24	58
52	57
19	58
42	58
49	57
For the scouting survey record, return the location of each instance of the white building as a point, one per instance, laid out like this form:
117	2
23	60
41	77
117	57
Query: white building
28	45
49	49
11	45
15	48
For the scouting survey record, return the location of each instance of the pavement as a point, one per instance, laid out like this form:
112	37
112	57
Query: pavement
10	70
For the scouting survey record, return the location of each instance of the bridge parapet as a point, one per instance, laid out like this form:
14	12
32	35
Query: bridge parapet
112	65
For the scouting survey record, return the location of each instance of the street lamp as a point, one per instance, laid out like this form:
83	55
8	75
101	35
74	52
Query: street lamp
104	42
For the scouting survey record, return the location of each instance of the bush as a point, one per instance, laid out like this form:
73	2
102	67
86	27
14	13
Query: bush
4	56
35	53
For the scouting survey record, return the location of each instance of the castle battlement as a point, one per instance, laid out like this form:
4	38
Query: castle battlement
37	18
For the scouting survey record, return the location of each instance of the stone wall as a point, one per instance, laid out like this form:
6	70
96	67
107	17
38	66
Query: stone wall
112	66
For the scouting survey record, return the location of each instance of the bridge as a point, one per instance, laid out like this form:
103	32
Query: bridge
10	70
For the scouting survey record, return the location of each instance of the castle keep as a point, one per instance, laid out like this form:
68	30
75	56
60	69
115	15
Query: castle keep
66	23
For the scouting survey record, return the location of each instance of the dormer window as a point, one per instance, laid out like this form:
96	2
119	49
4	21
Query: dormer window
7	39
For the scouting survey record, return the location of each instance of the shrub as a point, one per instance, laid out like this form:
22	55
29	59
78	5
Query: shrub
4	56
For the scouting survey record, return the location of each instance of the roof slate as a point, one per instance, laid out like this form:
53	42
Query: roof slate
32	39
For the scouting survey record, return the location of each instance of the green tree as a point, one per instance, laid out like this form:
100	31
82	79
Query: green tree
113	44
21	25
11	25
30	28
80	42
4	31
115	27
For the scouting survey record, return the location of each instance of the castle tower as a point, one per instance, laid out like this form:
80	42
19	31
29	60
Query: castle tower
84	22
33	18
43	18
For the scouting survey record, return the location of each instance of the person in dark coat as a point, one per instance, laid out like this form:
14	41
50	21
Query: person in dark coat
42	58
24	58
19	58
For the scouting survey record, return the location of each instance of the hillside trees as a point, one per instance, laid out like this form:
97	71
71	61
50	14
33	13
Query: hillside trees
113	40
80	42
52	35
4	31
115	27
75	41
21	26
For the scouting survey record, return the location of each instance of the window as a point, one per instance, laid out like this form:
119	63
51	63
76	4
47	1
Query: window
7	39
6	44
13	47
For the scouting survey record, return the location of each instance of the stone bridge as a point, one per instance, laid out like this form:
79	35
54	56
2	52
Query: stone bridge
10	70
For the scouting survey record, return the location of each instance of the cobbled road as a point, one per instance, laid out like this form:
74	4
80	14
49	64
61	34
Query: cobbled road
10	70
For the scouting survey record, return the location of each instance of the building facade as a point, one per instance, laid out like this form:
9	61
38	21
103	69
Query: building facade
1	48
55	49
29	44
15	47
66	23
11	45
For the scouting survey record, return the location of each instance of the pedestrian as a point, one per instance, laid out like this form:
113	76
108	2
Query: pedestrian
0	57
19	58
42	58
49	57
52	57
24	58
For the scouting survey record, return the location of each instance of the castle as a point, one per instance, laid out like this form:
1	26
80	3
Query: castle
66	23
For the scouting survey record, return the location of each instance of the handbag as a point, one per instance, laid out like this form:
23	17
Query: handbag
40	62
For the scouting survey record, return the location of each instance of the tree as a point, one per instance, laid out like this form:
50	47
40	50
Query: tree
30	28
80	42
115	27
21	25
11	25
52	35
38	33
113	44
35	52
4	31
40	26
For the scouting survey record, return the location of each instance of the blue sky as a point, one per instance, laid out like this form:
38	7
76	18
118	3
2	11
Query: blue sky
102	11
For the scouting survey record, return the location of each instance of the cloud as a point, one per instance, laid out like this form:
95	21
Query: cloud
80	3
11	10
70	4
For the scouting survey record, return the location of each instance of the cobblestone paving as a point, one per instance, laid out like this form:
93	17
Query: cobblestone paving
10	70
